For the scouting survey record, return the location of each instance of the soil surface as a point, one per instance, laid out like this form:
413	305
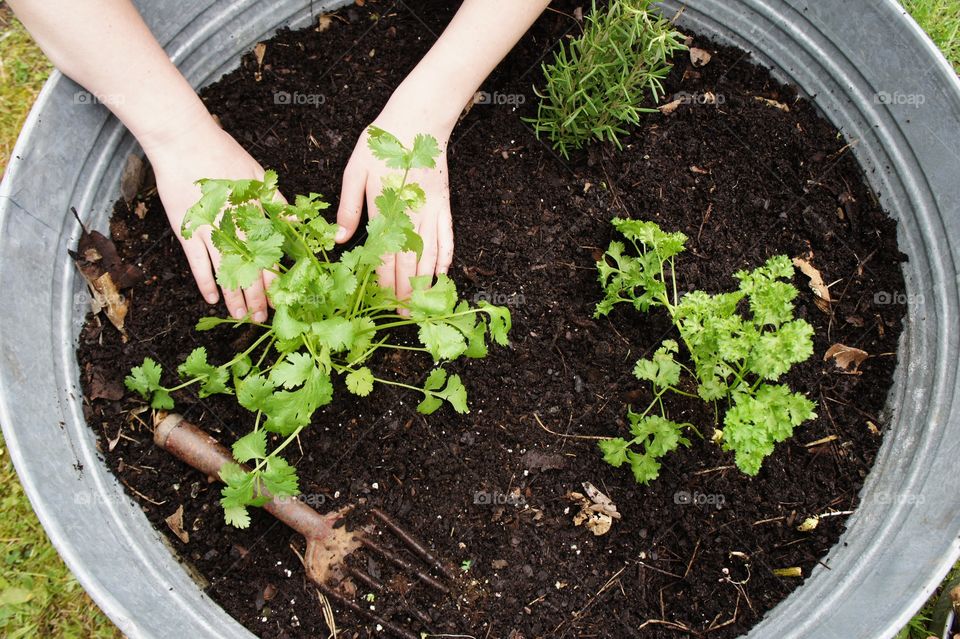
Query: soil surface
756	174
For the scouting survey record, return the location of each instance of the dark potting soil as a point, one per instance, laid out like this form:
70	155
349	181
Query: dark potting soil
744	178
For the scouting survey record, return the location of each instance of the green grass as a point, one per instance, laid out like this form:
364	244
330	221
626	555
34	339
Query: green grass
940	19
38	595
23	69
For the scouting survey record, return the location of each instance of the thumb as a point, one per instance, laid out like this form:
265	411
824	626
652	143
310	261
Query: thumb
351	199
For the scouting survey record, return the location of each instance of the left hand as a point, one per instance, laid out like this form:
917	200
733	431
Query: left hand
433	222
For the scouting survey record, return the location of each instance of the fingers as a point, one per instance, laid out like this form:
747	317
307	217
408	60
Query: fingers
406	267
256	301
386	272
238	302
351	199
428	259
444	242
199	259
268	277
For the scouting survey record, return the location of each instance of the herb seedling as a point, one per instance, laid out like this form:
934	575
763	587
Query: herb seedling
330	316
596	83
735	355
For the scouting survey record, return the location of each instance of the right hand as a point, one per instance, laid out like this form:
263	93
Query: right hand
206	151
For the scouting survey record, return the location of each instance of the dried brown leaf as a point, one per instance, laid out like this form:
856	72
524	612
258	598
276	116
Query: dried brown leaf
773	103
175	523
324	23
670	107
699	57
820	290
259	51
846	357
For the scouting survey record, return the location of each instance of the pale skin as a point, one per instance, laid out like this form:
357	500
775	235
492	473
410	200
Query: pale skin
105	46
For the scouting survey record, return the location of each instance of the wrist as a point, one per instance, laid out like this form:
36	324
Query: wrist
423	105
189	122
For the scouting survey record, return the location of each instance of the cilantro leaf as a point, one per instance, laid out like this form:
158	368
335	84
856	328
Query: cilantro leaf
424	153
253	391
387	147
144	379
253	445
360	381
280	478
293	370
205	211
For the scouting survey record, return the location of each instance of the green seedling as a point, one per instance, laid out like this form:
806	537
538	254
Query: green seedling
596	84
739	343
331	315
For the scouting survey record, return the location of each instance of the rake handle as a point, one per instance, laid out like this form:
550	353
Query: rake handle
199	449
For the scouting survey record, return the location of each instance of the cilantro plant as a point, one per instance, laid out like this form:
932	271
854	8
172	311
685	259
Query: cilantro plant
330	315
596	83
739	343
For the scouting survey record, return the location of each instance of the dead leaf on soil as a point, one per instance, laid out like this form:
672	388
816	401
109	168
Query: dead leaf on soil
112	443
699	57
259	51
134	172
773	103
846	357
670	107
597	511
820	290
324	23
103	388
141	210
105	274
540	461
175	522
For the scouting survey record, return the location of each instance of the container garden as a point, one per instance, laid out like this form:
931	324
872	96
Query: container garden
866	66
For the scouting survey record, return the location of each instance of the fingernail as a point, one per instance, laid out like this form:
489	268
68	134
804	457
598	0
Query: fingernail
238	313
212	298
260	316
341	234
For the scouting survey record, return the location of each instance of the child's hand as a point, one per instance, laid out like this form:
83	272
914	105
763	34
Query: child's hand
208	152
433	222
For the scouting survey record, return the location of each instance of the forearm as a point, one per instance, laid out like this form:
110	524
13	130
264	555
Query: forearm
105	46
480	35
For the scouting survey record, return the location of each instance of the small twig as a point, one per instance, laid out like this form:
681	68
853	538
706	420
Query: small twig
713	470
669	624
822	440
328	615
706	218
593	437
692	557
661	571
142	496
